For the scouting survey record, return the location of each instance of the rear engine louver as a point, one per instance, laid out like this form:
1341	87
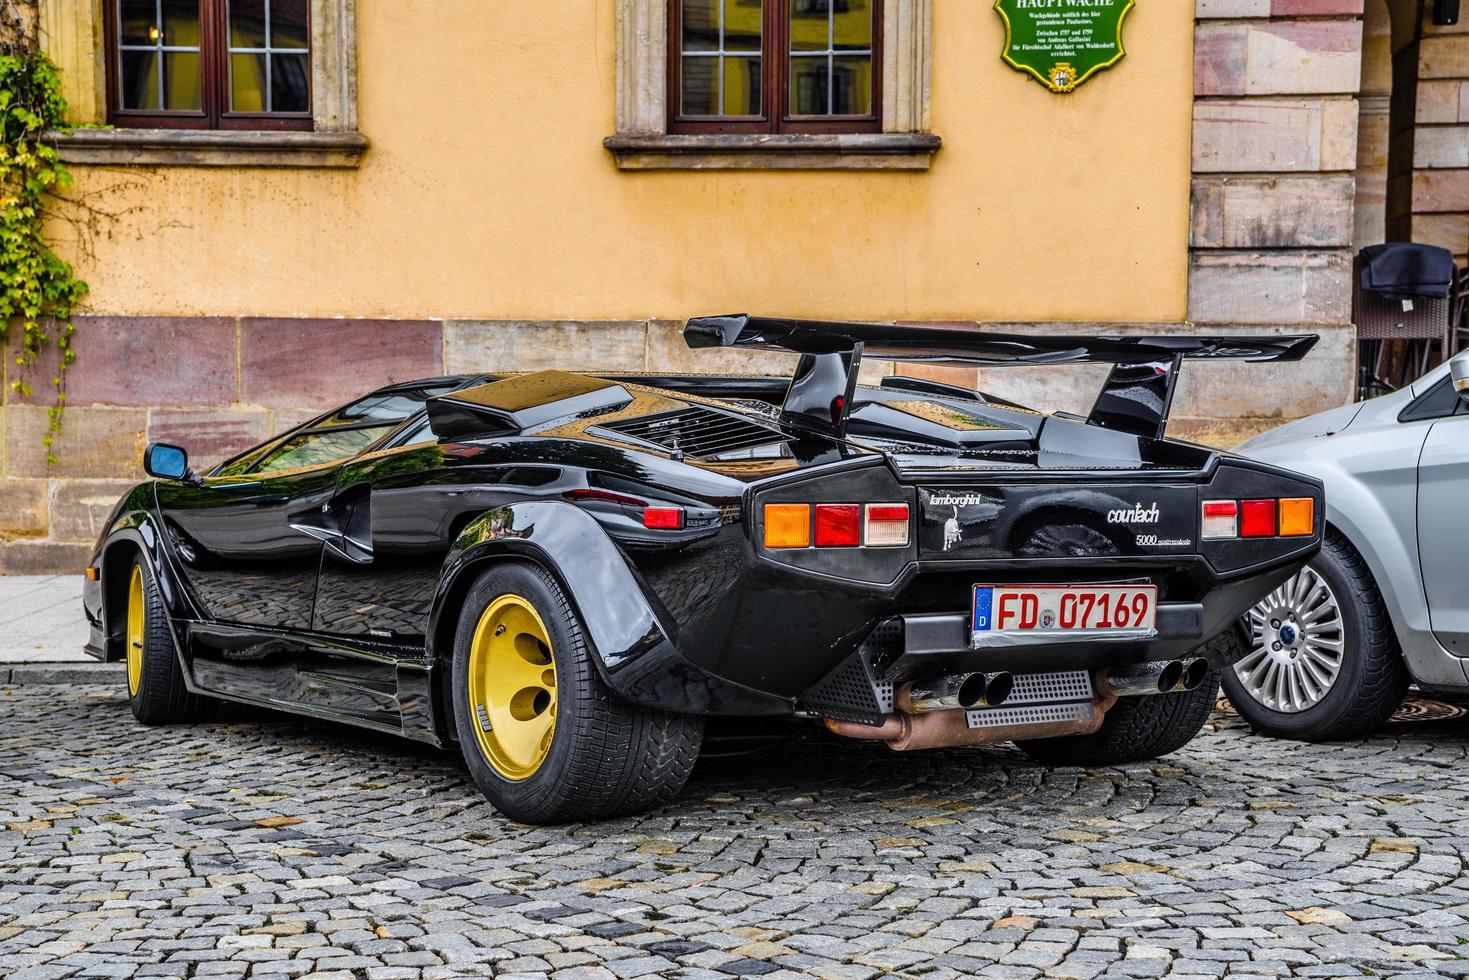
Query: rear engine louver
700	432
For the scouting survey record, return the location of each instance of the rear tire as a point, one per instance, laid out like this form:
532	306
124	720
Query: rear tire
156	689
1370	677
555	745
1137	729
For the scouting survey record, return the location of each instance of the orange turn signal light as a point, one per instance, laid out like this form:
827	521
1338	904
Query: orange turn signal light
787	525
93	573
1297	516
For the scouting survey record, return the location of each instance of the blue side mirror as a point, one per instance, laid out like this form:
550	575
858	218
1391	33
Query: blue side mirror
166	462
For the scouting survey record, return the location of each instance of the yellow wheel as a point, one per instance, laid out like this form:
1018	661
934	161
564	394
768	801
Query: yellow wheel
512	687
543	736
137	629
156	687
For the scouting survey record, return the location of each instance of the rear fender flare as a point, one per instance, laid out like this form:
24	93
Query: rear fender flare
570	545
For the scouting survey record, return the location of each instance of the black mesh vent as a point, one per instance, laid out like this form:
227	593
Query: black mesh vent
856	690
697	431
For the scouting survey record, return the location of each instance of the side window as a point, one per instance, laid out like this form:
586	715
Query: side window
320	447
1438	402
375	415
417	431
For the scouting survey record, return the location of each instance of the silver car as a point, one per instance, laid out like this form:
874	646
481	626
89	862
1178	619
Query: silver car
1386	603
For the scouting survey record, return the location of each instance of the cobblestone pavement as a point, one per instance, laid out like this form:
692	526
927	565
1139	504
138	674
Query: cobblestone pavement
268	846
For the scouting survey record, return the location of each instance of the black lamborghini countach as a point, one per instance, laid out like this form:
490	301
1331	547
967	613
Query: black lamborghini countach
565	574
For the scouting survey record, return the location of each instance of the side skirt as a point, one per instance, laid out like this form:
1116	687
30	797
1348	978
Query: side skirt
374	686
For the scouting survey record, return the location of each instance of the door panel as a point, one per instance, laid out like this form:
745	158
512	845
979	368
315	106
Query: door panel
418	502
247	545
1443	530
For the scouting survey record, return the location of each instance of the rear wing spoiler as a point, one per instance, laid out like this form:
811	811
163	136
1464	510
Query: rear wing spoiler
1136	398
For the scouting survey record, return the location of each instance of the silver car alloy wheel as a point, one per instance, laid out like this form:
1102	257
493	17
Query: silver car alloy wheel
1297	643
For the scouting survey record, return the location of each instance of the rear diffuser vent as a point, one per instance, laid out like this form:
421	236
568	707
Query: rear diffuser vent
700	432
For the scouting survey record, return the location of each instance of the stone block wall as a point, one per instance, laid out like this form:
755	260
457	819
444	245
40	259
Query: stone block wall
1273	209
1428	193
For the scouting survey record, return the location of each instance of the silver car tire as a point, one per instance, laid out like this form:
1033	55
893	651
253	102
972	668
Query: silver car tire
1323	662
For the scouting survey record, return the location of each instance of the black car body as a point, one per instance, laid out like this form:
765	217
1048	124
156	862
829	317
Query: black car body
325	572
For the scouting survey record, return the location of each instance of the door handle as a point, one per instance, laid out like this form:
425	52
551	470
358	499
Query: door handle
236	487
268	500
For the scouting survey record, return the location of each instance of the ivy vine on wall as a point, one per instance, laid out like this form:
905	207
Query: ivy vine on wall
38	290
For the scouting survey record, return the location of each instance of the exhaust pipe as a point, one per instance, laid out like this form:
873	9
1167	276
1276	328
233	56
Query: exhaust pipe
1194	672
1133	680
949	729
1157	677
957	691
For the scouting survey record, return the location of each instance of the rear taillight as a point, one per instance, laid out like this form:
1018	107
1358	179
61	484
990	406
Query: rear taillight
663	518
838	525
787	525
1297	516
835	525
886	525
1257	519
1285	517
1221	519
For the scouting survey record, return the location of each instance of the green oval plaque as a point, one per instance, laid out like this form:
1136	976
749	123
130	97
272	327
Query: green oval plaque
1062	43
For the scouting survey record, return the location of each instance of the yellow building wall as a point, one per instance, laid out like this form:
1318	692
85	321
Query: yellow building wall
487	193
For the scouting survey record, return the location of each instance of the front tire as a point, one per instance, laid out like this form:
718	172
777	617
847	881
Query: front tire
543	736
1137	729
1338	672
156	689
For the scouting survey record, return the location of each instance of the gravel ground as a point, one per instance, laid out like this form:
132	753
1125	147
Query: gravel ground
266	846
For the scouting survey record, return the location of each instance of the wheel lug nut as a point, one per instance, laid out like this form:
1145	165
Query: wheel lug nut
1275	645
1275	624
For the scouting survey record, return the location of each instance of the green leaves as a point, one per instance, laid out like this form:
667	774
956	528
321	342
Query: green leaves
38	290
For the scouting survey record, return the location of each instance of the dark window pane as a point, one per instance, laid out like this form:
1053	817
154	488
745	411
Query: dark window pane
181	23
139	80
851	85
247	23
290	86
852	27
809	86
247	83
742	25
700	25
701	86
742	86
138	22
321	448
181	80
810	27
288	23
393	407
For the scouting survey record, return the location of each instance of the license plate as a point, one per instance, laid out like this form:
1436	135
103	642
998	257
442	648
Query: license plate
1130	609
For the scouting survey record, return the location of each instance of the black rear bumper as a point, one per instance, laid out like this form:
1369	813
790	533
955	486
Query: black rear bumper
908	647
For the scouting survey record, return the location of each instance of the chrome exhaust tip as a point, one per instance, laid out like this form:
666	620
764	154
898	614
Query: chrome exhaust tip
1134	680
1194	672
997	689
961	691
